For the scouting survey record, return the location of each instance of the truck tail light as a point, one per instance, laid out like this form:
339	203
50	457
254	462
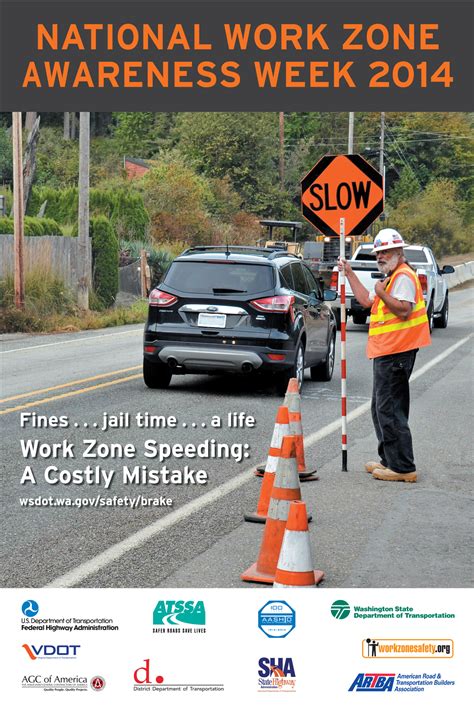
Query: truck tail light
161	298
275	304
334	281
424	282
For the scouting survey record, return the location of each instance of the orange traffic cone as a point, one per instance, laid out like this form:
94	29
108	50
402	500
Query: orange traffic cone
295	566
280	430
293	403
286	488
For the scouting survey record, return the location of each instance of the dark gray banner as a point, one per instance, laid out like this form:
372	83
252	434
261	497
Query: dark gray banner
192	56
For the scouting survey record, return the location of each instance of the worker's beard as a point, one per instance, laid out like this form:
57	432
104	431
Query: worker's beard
388	265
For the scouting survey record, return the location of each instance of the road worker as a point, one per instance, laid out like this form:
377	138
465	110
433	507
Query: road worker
398	328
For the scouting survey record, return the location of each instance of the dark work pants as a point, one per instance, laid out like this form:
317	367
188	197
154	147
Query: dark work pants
390	410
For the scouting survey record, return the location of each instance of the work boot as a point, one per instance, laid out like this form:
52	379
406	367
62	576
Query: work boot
370	466
388	475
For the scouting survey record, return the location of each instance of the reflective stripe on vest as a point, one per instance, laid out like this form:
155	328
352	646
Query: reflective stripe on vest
390	334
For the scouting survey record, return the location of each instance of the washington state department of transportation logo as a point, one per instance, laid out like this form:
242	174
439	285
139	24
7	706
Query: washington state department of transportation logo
276	618
179	617
340	609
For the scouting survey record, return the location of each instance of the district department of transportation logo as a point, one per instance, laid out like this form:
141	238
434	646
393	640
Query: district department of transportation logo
276	618
373	682
276	674
340	609
179	616
30	608
146	679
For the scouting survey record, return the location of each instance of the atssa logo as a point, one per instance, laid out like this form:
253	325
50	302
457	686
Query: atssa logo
276	618
373	682
51	651
276	674
30	608
179	612
340	609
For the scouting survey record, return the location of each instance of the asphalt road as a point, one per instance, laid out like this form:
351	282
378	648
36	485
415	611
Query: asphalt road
364	533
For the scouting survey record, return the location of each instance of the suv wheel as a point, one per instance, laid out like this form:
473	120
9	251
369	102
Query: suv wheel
156	375
296	371
324	370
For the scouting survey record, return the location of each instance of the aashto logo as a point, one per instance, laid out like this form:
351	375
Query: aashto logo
340	609
179	616
30	608
276	618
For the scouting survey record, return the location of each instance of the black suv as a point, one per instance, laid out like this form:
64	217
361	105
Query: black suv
239	310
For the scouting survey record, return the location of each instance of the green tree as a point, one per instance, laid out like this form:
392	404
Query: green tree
405	188
6	157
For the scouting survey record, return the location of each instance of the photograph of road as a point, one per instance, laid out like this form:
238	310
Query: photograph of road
364	533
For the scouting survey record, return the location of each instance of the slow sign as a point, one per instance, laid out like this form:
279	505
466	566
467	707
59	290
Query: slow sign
342	187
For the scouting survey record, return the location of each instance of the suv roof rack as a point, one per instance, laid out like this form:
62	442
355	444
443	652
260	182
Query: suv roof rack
270	252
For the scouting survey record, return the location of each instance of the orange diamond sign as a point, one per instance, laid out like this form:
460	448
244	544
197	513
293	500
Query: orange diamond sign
342	186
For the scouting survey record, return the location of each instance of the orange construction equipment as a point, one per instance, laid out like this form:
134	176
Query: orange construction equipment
293	403
286	488
295	566
281	429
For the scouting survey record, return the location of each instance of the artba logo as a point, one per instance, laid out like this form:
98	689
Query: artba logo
179	616
276	674
408	648
51	651
340	609
30	608
373	682
276	618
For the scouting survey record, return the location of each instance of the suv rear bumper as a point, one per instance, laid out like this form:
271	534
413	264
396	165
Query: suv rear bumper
202	358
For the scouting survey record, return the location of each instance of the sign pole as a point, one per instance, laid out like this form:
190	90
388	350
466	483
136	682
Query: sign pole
342	248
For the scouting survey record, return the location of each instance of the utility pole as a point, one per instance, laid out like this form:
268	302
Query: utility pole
382	141
84	246
282	149
350	137
19	284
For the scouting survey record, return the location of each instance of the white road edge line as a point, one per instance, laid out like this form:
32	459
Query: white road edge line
92	566
74	340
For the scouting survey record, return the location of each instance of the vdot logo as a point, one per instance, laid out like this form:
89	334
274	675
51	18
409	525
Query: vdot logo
340	609
51	651
30	608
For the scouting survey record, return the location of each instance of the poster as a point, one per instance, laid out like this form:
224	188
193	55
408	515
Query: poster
122	529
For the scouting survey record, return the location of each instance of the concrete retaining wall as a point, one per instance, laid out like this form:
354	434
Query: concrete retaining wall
463	272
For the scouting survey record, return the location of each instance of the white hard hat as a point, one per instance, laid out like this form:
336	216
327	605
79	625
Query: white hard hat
388	239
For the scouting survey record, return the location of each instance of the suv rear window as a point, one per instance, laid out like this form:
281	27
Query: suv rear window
219	278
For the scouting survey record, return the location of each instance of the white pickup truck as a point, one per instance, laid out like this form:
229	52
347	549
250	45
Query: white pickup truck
431	276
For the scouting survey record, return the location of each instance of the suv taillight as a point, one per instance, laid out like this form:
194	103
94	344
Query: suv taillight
334	281
161	298
424	282
274	304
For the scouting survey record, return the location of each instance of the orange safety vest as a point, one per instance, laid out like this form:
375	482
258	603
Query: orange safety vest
390	334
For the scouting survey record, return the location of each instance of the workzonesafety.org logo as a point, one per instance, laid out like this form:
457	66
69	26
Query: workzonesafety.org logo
418	683
340	609
179	617
276	674
407	648
276	618
51	651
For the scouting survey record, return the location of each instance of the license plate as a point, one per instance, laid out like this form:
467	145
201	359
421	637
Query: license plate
212	320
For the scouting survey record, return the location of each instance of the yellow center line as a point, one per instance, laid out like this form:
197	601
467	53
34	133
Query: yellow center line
69	384
70	394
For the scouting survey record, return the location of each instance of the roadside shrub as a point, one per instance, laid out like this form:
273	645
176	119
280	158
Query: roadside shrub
33	226
45	293
105	260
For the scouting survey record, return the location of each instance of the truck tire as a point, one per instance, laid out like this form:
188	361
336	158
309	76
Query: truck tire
359	319
441	320
156	375
430	314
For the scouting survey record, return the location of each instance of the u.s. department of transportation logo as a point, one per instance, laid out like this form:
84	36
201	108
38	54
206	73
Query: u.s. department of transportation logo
340	609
